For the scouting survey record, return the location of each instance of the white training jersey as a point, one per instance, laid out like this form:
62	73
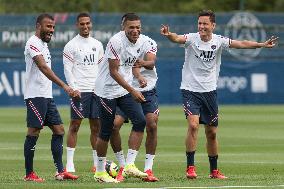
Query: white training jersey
81	57
37	84
150	75
120	48
202	62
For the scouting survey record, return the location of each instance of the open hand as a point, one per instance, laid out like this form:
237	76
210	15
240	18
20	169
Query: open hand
270	42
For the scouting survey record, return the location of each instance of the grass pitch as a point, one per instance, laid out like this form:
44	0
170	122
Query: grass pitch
251	153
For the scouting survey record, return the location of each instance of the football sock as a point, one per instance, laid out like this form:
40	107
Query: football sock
120	158
57	151
213	162
190	158
131	156
101	164
70	155
149	159
95	157
29	149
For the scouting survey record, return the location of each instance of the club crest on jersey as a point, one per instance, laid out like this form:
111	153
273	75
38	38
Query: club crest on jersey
94	49
138	50
213	47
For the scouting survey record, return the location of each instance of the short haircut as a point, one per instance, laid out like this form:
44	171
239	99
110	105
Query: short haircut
209	13
83	14
129	17
43	16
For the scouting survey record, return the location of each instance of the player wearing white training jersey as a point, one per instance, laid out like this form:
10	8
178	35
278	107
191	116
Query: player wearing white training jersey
41	108
81	57
113	88
144	81
199	81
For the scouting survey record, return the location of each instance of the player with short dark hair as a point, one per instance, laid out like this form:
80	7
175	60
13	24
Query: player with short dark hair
41	108
113	88
145	78
199	82
81	58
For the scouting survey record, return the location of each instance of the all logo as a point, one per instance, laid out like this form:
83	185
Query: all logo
245	26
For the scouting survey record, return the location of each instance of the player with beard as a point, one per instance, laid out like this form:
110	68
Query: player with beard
41	109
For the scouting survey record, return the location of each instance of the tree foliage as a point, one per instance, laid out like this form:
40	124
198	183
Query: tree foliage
146	6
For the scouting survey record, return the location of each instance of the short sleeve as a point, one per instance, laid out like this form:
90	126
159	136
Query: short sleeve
113	49
33	49
188	39
151	47
225	42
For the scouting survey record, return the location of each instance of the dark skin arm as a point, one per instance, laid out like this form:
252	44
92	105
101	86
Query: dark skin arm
113	68
147	63
42	66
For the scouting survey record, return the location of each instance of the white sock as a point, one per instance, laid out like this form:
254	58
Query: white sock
131	156
101	161
120	158
70	155
95	157
149	159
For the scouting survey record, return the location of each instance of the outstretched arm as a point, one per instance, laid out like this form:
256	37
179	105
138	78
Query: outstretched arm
165	31
252	44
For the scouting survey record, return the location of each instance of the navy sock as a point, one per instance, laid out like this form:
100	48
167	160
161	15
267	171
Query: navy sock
57	151
29	150
190	158
213	162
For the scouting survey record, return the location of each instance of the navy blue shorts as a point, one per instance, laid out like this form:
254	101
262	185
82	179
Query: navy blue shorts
42	112
128	105
150	106
202	104
84	107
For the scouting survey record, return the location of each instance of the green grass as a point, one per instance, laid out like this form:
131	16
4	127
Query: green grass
251	153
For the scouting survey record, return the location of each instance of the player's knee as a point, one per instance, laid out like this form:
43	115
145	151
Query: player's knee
211	135
151	127
74	128
193	126
94	129
58	130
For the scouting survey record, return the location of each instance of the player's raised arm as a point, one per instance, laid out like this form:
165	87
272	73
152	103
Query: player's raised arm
165	31
270	43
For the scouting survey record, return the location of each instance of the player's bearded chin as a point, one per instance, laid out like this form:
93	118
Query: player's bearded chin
43	36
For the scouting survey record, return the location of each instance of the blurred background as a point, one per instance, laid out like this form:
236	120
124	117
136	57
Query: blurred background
246	77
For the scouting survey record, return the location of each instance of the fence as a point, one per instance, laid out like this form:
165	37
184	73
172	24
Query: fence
246	77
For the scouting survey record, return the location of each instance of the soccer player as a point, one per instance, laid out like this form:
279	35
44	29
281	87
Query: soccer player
113	88
81	56
199	82
41	109
144	81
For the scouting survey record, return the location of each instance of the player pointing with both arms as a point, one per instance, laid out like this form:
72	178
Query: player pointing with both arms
199	82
